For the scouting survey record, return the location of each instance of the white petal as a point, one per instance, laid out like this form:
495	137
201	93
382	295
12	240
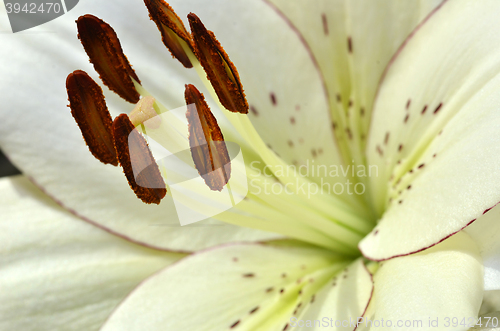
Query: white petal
444	180
442	282
485	231
491	302
352	42
39	134
252	287
341	302
58	272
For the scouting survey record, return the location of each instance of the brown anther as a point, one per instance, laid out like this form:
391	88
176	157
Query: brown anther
220	70
206	141
89	110
133	153
171	28
105	52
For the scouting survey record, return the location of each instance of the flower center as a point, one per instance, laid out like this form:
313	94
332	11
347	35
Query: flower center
273	195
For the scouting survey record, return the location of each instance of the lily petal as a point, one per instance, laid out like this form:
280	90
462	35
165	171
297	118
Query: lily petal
43	140
485	231
442	282
491	302
345	298
241	287
58	272
352	42
440	166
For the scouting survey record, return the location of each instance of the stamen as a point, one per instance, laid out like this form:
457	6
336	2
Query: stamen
89	110
105	52
208	148
171	28
220	70
133	153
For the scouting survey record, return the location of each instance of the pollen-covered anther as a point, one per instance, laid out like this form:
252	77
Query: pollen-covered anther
206	141
172	29
137	162
145	113
220	70
89	110
105	52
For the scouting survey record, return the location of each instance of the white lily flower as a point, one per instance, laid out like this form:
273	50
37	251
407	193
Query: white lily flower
329	84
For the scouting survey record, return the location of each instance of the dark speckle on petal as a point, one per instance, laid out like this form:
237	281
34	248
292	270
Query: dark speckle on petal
273	99
254	111
349	45
386	139
325	23
406	118
349	133
379	151
438	108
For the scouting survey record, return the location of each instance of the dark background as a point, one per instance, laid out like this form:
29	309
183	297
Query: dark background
6	168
